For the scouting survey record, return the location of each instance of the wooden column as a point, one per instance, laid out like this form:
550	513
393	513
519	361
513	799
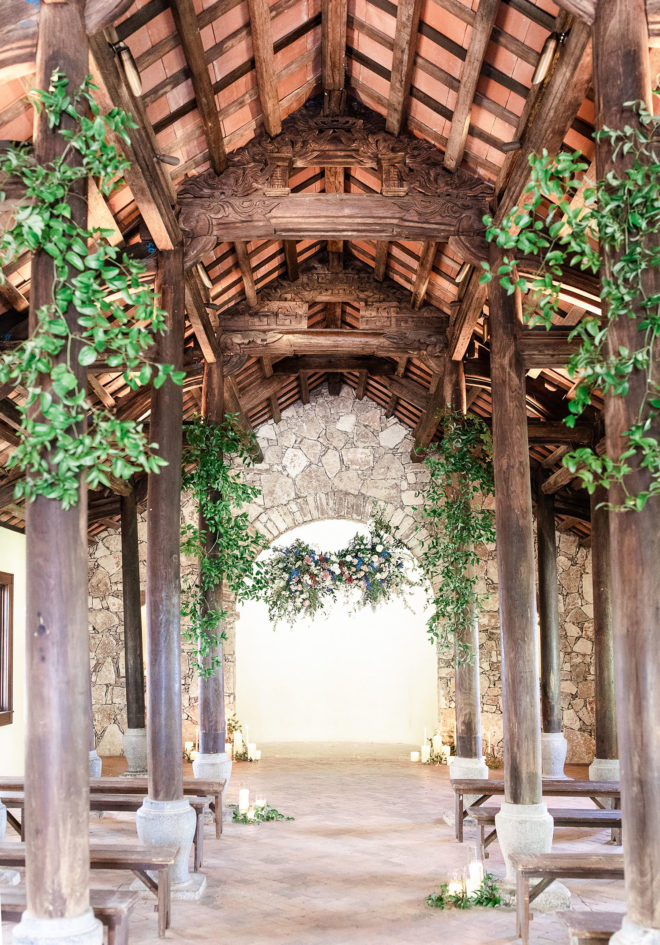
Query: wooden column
622	74
164	741
548	614
57	657
604	694
130	570
515	552
212	688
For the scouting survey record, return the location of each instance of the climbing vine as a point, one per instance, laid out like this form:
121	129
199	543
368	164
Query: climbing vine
620	215
221	537
62	433
461	479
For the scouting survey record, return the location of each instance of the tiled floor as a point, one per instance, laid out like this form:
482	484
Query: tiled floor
367	846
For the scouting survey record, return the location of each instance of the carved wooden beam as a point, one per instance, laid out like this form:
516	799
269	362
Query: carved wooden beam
423	274
334	365
280	344
479	39
188	29
403	58
267	316
333	48
264	61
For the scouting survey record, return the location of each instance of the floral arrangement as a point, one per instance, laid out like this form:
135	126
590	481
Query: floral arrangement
298	580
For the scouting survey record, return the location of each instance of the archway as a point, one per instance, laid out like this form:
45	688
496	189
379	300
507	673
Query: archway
369	676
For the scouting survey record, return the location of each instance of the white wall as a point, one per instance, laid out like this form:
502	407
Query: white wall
12	737
364	677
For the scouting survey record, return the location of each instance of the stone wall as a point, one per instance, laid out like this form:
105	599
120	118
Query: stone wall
333	459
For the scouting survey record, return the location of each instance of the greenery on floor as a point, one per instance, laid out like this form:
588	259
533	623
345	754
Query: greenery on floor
63	433
256	815
454	508
617	218
486	895
221	538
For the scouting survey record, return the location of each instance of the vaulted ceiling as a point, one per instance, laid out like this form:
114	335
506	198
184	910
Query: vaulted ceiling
214	77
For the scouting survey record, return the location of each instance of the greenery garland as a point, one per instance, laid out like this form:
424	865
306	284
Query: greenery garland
620	215
461	479
299	581
218	492
62	435
487	894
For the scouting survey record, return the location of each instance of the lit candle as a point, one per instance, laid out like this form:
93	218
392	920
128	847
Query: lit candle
455	888
437	744
426	754
194	755
257	754
250	813
475	876
252	748
243	800
414	756
238	742
260	803
188	745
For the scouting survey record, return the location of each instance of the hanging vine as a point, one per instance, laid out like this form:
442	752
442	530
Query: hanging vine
454	507
224	544
62	434
620	216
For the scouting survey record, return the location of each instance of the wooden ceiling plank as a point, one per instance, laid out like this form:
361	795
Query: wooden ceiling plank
403	57
247	275
481	30
333	52
423	274
188	29
264	61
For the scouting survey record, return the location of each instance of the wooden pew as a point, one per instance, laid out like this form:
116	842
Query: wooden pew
591	928
485	788
120	803
550	866
192	787
112	906
563	817
138	859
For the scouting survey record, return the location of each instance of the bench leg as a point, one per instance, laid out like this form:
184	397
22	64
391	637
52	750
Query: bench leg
163	901
199	841
522	907
486	841
118	930
459	816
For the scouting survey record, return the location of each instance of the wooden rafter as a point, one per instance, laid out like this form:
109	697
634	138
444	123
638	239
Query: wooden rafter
403	57
264	61
333	42
464	320
481	30
333	315
187	26
243	257
380	263
423	274
234	406
291	256
334	184
199	318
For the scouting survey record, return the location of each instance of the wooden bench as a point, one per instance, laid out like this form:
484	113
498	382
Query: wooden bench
485	788
192	787
120	803
591	928
138	859
112	906
546	867
563	817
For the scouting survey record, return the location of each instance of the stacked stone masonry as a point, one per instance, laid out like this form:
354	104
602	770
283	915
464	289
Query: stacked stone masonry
332	459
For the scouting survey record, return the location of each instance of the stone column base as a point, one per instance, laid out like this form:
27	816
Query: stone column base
632	934
135	752
172	823
553	754
459	769
82	929
95	764
605	769
217	765
527	828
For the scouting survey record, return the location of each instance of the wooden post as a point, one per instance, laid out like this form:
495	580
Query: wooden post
622	74
553	743
523	823
58	694
212	688
166	817
135	746
604	693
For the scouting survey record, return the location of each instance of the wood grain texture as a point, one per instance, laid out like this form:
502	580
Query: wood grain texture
403	58
243	258
464	321
264	61
479	39
423	274
333	54
515	552
199	318
622	73
130	571
164	734
548	614
604	684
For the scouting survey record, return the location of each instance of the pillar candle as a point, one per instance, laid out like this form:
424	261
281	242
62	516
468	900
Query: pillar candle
426	754
414	756
252	748
243	800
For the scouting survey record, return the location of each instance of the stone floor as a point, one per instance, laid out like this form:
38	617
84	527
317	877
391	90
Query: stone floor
368	844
